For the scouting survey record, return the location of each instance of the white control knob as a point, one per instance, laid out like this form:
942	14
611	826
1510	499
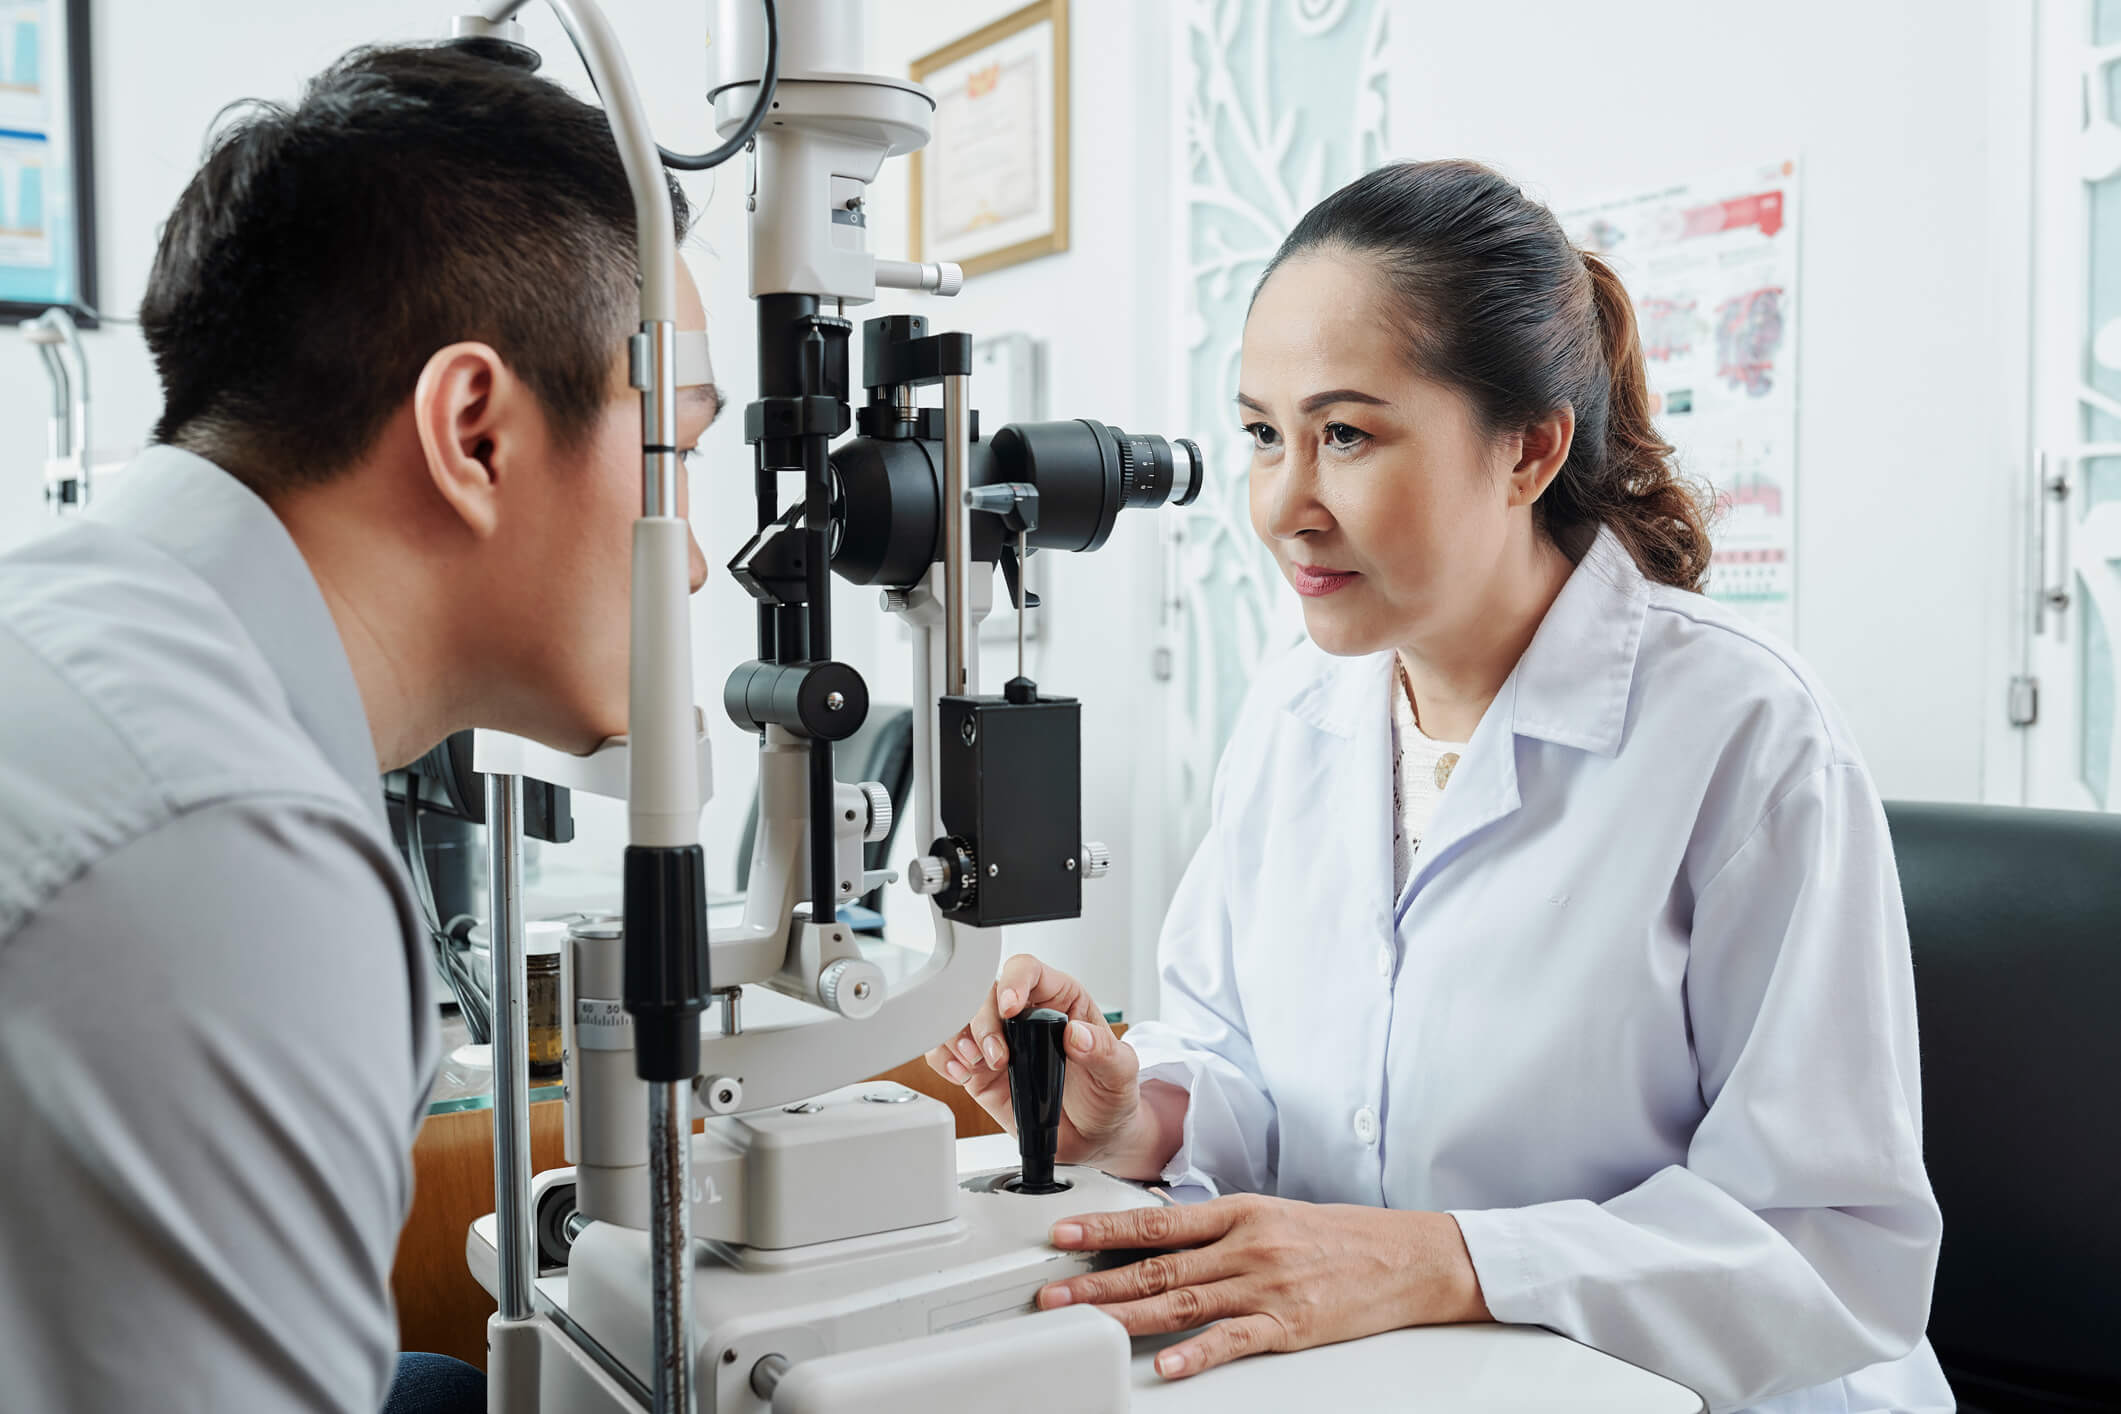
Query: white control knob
851	987
928	876
879	827
1097	860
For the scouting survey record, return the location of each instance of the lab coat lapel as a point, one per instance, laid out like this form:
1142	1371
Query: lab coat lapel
1483	789
1571	688
1350	819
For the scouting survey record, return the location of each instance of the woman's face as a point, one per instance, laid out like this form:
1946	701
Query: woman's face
1387	508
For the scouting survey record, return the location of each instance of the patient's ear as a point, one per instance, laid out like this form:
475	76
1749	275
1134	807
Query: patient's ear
475	419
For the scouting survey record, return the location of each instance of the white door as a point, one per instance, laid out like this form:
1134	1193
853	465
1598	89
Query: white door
2073	484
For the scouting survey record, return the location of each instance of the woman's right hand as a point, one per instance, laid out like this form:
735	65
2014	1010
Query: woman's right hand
1102	1117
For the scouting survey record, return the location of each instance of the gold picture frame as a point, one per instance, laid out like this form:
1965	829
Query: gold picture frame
979	239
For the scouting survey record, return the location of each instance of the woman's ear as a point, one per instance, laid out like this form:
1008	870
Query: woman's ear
1542	451
468	410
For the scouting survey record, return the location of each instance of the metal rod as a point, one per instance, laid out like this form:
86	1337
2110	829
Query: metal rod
670	1220
824	866
1023	593
957	532
511	1057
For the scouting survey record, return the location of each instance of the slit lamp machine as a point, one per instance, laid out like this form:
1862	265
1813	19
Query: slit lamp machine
814	1246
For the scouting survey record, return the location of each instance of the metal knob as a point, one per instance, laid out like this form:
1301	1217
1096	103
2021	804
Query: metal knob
928	876
851	987
1097	860
879	827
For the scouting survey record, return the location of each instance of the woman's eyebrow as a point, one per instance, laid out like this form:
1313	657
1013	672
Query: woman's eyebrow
1339	395
1320	400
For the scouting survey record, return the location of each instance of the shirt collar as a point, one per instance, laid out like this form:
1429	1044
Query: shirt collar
1571	686
223	532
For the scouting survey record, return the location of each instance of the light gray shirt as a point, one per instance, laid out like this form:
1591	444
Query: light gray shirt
216	1037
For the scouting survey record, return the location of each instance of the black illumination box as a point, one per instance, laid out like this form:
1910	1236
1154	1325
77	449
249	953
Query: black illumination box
1012	789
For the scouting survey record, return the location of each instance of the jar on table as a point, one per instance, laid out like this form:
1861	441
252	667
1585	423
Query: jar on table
542	940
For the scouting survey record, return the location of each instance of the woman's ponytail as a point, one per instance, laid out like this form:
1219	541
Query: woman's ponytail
1657	514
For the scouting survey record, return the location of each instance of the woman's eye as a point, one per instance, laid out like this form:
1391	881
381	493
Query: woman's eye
1340	435
1263	435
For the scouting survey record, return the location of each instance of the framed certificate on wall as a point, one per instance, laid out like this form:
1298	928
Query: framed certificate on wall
47	208
991	187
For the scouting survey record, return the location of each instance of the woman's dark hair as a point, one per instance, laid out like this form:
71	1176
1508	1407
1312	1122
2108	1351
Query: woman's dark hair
413	197
1495	302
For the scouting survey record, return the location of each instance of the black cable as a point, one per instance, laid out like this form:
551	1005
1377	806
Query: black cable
473	1003
768	82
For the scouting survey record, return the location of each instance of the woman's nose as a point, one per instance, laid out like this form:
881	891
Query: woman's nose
1294	508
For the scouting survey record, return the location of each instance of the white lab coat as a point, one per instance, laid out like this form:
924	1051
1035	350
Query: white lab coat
1642	1019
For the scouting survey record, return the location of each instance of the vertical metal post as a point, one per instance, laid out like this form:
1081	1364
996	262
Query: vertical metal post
670	1220
957	531
511	1056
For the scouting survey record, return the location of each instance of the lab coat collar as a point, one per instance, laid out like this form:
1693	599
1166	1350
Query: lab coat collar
1574	680
222	531
1571	686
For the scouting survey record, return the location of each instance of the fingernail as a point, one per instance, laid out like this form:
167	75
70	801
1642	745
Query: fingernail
1007	999
969	1051
994	1051
1170	1363
1066	1233
1054	1296
1078	1036
956	1072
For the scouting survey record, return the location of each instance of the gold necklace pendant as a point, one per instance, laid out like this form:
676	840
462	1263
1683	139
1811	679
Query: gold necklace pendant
1446	763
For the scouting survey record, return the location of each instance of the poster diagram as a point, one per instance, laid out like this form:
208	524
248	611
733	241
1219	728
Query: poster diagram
1712	266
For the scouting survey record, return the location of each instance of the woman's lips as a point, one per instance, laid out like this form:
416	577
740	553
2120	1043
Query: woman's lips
1315	583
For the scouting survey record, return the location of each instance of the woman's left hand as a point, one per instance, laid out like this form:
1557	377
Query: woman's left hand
1271	1273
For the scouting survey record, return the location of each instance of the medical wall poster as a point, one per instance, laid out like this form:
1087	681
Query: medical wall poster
1712	267
47	218
991	187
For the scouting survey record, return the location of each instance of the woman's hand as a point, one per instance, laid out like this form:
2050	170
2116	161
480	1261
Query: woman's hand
1103	1118
1273	1274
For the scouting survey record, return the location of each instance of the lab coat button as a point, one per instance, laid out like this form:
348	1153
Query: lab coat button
1384	960
1366	1125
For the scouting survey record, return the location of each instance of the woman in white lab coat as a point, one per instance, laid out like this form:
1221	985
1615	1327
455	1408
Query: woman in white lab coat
1544	961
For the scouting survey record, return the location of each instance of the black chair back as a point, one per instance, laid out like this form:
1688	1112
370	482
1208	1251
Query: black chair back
2014	917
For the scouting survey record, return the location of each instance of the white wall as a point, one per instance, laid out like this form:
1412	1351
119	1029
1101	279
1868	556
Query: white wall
1908	423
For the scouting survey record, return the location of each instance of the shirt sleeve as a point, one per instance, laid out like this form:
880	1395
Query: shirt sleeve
1199	1042
1798	1242
208	1087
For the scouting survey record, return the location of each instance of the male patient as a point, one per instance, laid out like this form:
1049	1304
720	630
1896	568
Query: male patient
390	498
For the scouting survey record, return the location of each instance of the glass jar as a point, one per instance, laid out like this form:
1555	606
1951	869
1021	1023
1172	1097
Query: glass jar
542	941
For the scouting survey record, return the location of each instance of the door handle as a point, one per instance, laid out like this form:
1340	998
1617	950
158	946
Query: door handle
2052	571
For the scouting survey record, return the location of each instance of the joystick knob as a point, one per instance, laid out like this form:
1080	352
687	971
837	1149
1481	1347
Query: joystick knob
1038	1070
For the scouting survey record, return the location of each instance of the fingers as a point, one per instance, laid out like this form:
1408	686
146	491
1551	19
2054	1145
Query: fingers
1152	1276
944	1062
1106	1062
1187	1226
1024	982
1221	1343
1182	1309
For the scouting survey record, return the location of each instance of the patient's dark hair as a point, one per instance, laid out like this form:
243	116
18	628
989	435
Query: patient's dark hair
1492	299
413	197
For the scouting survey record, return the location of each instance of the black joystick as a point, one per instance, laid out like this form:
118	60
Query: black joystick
1038	1068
